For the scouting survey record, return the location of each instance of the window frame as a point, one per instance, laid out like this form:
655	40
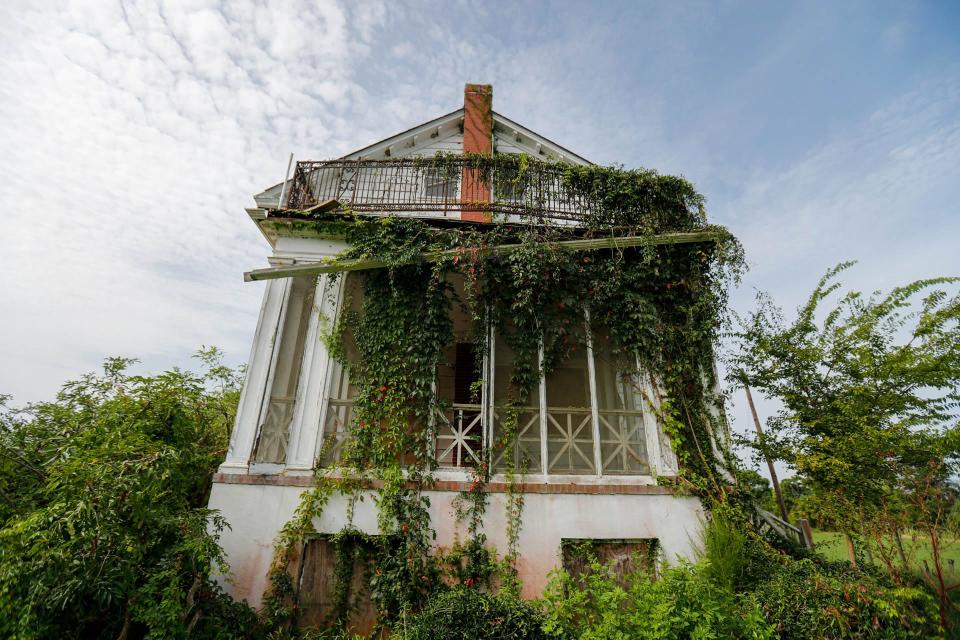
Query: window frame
651	425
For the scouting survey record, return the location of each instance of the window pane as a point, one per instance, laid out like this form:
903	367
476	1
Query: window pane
525	452
623	445
440	184
275	431
569	418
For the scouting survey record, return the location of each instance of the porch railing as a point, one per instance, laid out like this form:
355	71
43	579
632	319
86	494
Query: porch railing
417	185
460	438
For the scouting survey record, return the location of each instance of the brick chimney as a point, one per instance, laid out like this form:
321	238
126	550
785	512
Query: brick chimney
477	138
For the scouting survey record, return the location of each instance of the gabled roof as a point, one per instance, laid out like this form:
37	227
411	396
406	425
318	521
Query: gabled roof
509	137
445	134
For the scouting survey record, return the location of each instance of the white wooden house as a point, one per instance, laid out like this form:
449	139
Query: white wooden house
595	451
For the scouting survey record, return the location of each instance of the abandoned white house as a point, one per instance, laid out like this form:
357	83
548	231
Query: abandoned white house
595	450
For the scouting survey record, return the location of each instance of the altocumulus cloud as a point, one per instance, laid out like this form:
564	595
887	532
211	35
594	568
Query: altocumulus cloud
133	136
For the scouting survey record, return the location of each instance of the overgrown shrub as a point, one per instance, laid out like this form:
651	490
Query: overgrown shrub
682	603
105	532
740	588
809	599
468	614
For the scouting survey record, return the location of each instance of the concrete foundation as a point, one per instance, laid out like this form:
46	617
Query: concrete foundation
257	510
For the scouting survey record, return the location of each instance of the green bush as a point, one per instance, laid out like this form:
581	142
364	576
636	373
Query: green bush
105	532
467	614
808	599
682	603
740	588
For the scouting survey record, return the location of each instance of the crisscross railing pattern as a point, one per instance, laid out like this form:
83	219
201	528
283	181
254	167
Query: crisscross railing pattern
459	437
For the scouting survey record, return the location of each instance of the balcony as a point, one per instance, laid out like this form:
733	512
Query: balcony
446	189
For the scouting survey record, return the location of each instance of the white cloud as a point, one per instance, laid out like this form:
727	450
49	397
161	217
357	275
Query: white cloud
134	138
883	193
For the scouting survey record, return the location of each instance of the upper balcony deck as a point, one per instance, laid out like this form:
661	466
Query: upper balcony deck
444	189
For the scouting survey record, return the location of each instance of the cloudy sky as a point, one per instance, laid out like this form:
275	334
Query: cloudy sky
133	135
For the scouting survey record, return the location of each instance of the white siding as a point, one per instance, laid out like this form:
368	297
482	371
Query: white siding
503	144
452	143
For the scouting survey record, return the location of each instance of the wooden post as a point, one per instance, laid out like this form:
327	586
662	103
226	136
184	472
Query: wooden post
763	449
804	525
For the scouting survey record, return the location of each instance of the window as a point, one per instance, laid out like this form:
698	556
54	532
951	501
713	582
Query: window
440	184
620	418
271	444
623	556
316	575
570	428
526	452
342	391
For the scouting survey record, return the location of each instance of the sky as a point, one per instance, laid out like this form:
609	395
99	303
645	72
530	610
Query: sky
134	134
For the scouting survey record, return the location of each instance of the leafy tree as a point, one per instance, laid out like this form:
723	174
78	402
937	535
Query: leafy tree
870	392
756	486
104	530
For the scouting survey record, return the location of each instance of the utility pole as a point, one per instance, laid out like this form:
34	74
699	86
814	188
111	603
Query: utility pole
763	449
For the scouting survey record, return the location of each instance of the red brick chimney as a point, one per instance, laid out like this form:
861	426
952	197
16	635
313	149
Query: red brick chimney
477	138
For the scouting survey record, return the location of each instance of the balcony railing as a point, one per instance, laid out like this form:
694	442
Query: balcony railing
437	189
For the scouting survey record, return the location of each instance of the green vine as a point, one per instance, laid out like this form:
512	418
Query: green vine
660	308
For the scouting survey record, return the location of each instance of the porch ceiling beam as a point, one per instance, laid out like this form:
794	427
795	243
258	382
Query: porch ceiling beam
332	265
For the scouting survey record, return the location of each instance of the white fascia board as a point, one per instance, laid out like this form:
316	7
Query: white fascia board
259	215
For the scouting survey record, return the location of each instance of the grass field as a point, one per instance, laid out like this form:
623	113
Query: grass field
834	546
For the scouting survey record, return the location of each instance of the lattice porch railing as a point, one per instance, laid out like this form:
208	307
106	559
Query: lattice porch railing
460	439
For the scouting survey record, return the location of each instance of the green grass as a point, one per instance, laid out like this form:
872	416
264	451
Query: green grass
833	545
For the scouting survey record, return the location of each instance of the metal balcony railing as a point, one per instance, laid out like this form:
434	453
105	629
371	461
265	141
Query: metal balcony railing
437	189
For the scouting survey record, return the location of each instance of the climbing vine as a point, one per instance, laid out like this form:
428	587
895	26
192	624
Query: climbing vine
658	306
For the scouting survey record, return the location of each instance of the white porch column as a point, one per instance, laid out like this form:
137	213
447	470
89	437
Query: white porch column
663	461
311	401
255	384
